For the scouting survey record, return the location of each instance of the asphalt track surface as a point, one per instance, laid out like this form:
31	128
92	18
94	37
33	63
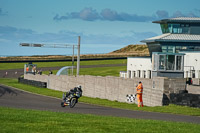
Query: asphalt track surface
12	97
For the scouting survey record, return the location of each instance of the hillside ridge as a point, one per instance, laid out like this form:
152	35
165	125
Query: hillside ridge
130	50
133	48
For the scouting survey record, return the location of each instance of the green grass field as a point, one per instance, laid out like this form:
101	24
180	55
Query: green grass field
173	109
20	120
97	71
103	71
31	121
5	66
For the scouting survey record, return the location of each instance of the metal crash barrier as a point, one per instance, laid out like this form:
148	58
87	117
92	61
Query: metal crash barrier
32	82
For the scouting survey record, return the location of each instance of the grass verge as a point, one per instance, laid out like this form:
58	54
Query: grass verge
173	109
96	71
5	66
31	121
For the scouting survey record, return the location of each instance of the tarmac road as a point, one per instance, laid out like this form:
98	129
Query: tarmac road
12	97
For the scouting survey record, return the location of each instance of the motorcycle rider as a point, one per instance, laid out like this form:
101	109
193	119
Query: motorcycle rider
72	91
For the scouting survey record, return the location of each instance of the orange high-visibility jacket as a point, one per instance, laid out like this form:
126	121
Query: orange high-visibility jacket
27	69
139	88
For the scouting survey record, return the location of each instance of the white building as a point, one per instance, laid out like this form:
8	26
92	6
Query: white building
175	53
145	67
192	64
139	67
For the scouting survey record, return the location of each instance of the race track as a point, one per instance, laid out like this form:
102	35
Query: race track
12	97
15	73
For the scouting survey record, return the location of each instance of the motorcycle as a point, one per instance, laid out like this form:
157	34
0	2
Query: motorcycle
71	98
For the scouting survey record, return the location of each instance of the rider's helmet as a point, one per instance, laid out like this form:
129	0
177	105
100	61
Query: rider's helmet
79	88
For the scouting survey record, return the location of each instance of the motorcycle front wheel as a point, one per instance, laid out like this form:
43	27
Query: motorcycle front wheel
73	102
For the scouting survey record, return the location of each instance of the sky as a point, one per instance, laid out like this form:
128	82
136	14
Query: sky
104	25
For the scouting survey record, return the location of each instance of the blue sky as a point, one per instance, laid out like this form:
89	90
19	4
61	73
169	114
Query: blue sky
104	25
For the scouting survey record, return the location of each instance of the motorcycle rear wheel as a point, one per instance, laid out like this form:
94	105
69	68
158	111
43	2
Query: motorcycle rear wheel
62	104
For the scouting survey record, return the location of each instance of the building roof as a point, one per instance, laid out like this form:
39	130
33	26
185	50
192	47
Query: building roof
169	37
180	20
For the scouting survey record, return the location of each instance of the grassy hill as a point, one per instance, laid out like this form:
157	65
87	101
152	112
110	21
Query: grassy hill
130	50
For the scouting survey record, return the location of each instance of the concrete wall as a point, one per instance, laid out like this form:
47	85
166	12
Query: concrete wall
37	77
113	88
193	89
196	81
173	86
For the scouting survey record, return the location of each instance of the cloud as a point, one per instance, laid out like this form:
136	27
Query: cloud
180	14
10	37
12	33
197	11
16	35
192	15
162	14
108	14
89	14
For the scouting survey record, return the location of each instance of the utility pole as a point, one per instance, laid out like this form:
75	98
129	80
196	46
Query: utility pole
73	62
78	56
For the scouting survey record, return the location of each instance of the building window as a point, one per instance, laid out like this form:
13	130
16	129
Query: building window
162	60
170	62
154	62
129	74
190	48
138	73
181	48
171	49
178	62
177	49
168	49
197	48
144	74
164	49
133	73
184	48
164	28
175	28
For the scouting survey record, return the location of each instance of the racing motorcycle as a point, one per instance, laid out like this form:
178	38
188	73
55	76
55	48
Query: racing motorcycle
71	98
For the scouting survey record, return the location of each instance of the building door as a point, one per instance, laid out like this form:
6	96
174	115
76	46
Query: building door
129	74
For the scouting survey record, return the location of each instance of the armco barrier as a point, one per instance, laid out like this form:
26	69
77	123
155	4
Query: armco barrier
33	82
186	99
156	91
